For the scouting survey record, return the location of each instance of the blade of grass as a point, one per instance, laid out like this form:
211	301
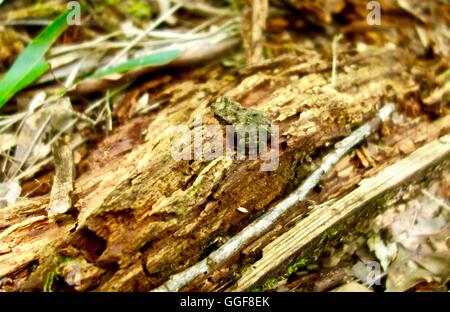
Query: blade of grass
31	63
154	59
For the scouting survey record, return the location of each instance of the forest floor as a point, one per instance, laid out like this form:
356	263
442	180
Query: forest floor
90	95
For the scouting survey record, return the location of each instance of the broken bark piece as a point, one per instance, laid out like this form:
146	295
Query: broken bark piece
406	146
24	242
60	196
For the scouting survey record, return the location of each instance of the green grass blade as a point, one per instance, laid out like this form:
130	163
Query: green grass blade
31	64
39	69
154	59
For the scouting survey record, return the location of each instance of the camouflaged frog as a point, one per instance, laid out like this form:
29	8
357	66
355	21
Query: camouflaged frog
242	120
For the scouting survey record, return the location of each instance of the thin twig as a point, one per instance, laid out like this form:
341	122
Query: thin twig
109	123
336	40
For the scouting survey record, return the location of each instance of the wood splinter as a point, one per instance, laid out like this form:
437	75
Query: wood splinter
60	196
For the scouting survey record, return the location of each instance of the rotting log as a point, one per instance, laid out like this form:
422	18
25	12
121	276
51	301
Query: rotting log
343	179
311	233
140	216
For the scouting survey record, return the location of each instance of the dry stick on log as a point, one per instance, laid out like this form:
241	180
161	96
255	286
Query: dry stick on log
289	245
253	25
264	223
60	196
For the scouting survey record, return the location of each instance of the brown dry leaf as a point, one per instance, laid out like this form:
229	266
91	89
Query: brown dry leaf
9	192
321	11
438	24
7	141
30	135
417	249
406	275
352	287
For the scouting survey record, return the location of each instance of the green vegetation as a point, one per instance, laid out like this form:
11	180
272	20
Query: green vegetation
140	9
296	266
53	275
31	63
154	59
270	283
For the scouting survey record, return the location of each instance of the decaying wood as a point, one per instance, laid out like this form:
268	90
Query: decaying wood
257	228
140	216
26	233
312	228
344	178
